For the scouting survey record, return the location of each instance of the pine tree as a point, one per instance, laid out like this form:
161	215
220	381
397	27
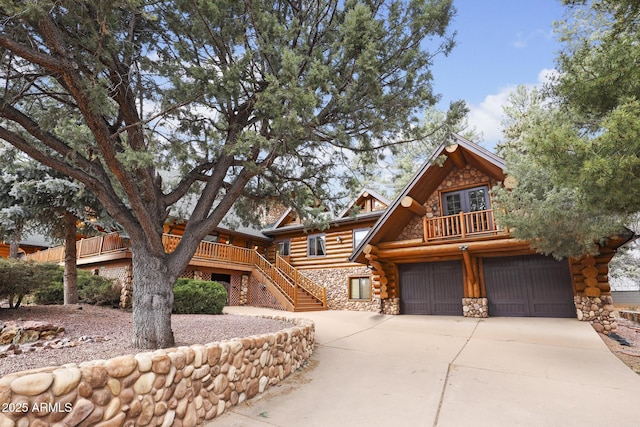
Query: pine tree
240	100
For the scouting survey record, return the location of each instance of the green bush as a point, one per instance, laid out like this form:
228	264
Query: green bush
19	278
198	297
97	290
51	294
92	289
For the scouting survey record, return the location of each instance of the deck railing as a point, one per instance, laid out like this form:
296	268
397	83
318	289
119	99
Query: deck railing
207	251
462	225
319	292
85	248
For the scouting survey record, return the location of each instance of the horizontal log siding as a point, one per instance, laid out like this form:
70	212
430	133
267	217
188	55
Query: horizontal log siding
337	252
602	267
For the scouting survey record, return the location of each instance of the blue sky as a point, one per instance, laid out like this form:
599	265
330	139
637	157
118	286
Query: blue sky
500	44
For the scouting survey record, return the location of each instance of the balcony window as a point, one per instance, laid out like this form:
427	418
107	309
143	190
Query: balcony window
467	200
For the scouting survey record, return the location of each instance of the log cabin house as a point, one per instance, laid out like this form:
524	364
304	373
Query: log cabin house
439	250
436	249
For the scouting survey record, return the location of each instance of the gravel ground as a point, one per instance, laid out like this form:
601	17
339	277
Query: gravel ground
629	355
110	333
107	332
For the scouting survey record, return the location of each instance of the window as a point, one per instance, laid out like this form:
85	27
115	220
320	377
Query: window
316	245
214	237
468	200
283	247
360	288
359	235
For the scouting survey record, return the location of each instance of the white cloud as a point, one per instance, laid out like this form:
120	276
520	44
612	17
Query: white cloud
487	116
523	39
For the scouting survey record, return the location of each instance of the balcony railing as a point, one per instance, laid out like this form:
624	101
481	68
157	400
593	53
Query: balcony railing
283	276
85	248
462	225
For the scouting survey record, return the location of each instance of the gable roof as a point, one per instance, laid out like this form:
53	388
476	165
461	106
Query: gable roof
360	200
458	153
286	223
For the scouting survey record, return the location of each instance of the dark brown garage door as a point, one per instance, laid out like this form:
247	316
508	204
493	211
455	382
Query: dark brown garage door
431	288
528	286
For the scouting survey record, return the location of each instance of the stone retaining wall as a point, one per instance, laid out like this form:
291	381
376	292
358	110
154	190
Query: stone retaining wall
179	387
634	316
598	311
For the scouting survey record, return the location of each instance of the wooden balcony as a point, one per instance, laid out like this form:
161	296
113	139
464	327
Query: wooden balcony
282	277
461	226
91	249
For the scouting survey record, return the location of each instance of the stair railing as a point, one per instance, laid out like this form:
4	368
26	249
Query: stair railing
317	291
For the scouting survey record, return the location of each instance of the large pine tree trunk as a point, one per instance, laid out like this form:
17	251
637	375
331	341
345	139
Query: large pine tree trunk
152	299
70	267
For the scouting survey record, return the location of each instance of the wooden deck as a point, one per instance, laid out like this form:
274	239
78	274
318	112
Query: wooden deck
294	290
461	226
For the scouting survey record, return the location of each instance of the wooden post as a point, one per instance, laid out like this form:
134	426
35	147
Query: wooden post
463	226
425	230
468	265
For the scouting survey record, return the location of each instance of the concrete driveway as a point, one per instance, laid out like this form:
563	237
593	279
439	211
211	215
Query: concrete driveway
376	370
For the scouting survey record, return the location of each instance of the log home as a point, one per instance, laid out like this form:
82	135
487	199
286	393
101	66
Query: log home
439	250
323	255
436	249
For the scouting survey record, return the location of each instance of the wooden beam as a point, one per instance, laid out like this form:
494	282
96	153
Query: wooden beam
454	152
411	204
494	247
400	244
370	249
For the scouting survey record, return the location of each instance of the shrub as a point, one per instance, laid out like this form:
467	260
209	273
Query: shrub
53	293
92	289
19	278
198	297
97	290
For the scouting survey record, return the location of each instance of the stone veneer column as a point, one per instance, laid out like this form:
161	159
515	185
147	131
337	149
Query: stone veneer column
126	293
390	306
598	311
475	307
244	290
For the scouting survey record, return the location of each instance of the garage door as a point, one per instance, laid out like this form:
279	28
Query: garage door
431	288
533	285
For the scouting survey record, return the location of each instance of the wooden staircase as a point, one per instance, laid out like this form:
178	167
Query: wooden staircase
294	290
307	302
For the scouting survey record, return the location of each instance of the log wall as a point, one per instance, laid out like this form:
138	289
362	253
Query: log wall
339	246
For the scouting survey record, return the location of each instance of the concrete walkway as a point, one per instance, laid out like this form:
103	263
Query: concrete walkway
376	370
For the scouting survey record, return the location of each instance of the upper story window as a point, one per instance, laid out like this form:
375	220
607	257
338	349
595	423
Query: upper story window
359	235
316	245
283	247
467	200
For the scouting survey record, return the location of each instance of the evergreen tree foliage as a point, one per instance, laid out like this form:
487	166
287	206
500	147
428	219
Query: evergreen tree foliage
38	199
573	151
242	101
